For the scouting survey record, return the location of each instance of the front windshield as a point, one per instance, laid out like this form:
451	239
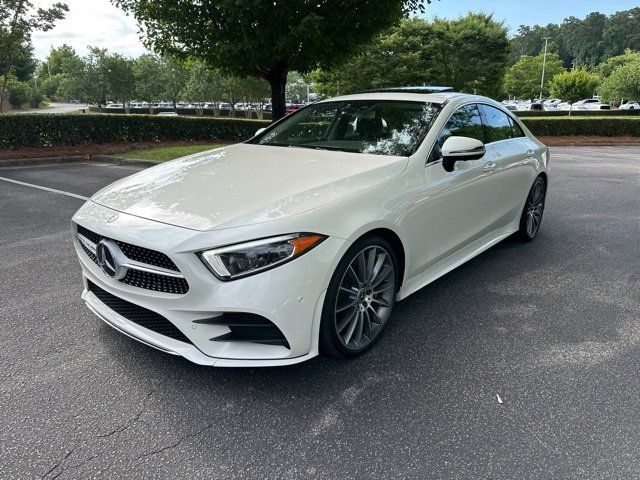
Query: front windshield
361	126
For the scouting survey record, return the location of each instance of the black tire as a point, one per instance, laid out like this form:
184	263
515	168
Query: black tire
366	300
533	210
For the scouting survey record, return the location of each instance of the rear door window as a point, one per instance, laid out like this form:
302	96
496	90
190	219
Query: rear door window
497	124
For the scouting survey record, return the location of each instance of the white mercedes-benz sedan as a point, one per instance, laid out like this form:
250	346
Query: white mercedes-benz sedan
301	240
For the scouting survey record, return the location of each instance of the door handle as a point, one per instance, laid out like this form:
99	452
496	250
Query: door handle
489	166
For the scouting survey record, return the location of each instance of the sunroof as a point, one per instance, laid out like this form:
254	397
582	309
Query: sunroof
424	89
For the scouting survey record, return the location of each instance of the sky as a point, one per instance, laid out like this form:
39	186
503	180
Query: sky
98	23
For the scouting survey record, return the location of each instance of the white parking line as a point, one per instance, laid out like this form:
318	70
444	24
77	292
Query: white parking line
46	189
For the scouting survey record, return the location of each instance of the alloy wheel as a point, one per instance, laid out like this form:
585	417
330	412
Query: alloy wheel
535	207
365	297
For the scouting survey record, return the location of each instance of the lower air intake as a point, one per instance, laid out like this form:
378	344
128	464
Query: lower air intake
138	315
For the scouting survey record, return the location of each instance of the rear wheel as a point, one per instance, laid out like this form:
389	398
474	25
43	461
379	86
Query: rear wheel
360	298
531	218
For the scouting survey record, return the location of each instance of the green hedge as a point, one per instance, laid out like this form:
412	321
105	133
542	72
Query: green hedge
42	130
578	113
572	126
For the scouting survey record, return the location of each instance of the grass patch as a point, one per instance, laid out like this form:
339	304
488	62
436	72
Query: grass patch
163	154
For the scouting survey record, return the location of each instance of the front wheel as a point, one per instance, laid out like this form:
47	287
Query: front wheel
531	217
360	298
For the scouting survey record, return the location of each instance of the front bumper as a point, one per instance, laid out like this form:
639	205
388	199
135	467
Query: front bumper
290	296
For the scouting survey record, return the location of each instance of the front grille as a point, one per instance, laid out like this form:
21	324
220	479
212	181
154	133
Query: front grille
137	278
139	254
159	283
138	315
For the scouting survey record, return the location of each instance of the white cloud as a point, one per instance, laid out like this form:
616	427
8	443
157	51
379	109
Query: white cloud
95	23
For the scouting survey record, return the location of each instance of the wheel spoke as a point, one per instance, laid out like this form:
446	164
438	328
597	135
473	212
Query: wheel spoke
348	319
383	289
357	336
362	268
381	301
371	263
354	274
350	305
352	327
368	330
382	275
375	317
378	266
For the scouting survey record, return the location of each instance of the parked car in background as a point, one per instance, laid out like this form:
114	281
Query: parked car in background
225	106
591	104
536	106
113	106
630	106
293	107
552	103
301	240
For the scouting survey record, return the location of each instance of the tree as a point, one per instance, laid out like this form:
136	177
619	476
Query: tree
204	84
22	63
18	19
396	57
62	60
523	79
469	54
92	82
574	86
606	68
175	79
265	38
149	72
119	76
582	42
623	83
622	32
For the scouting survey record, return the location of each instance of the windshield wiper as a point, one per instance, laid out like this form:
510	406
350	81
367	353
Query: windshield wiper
328	147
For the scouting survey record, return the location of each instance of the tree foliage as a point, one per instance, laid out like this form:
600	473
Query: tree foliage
606	68
523	79
264	38
623	83
574	86
18	19
587	42
469	54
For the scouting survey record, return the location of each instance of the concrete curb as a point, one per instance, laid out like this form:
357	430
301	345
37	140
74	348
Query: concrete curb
23	162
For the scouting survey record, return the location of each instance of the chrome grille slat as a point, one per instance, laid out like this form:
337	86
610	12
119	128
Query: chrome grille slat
146	268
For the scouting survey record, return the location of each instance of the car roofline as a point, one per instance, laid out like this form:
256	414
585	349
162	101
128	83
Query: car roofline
440	97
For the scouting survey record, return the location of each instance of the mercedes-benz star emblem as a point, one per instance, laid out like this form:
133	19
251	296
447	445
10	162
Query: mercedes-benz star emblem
110	259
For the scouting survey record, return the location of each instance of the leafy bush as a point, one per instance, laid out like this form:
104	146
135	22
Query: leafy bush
19	93
572	126
39	130
36	98
577	113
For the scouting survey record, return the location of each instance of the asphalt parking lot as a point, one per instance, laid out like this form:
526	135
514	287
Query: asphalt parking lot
553	327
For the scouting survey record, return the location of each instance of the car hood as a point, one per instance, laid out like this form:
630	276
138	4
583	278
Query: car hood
245	184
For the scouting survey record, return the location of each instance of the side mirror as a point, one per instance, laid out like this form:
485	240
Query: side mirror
461	149
259	131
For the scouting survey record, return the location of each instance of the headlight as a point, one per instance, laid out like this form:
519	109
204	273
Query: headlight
243	259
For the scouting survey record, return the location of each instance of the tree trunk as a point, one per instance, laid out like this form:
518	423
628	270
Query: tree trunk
278	82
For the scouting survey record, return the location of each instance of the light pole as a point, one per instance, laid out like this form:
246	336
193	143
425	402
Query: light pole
544	65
